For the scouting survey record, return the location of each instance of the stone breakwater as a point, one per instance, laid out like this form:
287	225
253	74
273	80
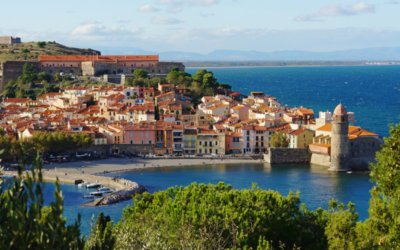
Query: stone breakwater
121	195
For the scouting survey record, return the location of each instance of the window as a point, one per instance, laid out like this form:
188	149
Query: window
216	151
216	143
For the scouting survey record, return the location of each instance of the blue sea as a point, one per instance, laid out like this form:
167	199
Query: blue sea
372	92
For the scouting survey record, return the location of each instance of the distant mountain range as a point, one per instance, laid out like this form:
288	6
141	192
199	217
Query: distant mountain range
368	54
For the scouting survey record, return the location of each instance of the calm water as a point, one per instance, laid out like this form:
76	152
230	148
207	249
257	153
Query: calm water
316	185
373	93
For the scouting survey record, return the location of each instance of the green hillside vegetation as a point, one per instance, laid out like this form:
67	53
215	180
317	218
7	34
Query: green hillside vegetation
31	50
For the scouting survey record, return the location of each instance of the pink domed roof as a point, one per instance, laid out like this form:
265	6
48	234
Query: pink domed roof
340	110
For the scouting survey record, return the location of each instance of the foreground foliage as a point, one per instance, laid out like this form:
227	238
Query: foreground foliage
217	217
27	224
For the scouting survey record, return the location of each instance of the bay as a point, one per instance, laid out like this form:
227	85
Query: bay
372	92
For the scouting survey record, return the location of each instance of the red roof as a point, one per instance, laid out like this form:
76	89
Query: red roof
97	58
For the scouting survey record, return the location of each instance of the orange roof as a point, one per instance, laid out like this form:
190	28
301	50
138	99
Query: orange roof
97	58
306	111
17	100
297	132
354	131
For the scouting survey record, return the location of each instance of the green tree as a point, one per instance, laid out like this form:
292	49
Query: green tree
101	237
382	228
9	89
279	140
140	74
27	224
29	73
340	228
203	216
41	44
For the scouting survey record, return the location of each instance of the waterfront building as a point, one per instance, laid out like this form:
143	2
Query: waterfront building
210	142
300	138
177	139
254	139
233	142
341	146
189	141
140	134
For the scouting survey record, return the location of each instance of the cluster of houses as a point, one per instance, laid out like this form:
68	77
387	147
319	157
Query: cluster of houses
165	119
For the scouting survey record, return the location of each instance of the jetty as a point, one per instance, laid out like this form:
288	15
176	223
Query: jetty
124	189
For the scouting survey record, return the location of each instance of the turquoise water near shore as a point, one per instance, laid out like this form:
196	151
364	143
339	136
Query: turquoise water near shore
373	93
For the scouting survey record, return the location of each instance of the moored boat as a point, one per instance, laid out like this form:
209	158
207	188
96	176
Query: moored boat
93	185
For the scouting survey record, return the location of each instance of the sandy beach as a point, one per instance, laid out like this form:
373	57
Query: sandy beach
90	171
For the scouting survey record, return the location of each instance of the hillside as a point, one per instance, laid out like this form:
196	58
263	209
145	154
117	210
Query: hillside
31	50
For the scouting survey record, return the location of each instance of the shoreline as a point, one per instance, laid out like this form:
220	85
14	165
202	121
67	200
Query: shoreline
92	171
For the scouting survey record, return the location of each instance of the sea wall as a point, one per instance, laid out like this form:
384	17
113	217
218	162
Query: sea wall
121	195
321	159
361	163
287	155
355	163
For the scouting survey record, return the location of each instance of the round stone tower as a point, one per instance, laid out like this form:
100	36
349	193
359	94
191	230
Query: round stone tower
340	150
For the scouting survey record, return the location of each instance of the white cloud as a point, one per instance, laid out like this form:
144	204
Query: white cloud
163	20
96	31
148	8
190	2
337	10
174	6
392	2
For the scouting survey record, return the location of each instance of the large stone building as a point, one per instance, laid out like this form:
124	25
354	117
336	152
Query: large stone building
89	65
9	40
341	146
94	65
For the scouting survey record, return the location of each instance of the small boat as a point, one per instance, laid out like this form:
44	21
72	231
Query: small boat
97	193
105	190
93	185
88	196
81	185
349	172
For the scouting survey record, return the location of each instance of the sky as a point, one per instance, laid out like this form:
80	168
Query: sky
203	26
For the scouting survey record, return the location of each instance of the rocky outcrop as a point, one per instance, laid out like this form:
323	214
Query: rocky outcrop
121	195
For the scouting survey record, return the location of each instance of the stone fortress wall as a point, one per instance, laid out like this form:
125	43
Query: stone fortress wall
9	40
86	66
11	70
